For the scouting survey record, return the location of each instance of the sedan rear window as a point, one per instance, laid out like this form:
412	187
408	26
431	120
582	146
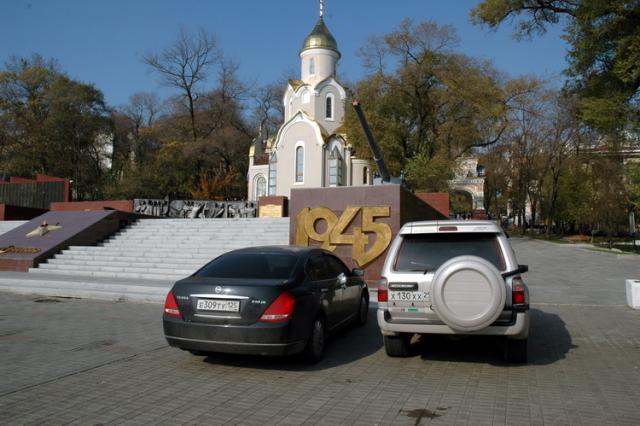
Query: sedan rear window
250	266
426	252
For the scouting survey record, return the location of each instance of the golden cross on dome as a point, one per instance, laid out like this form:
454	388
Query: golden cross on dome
321	8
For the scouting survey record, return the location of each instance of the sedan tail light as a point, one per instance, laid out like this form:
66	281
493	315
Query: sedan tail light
280	310
383	295
171	307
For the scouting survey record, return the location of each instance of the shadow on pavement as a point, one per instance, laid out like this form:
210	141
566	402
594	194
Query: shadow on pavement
549	341
346	346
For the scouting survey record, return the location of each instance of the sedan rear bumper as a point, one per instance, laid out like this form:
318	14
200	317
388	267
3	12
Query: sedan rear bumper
255	339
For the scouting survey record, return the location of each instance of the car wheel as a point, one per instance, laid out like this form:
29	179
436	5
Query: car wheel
314	350
516	351
363	311
397	346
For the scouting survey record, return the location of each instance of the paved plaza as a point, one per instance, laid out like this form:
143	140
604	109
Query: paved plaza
89	362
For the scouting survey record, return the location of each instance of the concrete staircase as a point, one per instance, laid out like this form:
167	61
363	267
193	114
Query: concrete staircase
165	249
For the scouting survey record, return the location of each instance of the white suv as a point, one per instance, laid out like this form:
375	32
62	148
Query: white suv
453	277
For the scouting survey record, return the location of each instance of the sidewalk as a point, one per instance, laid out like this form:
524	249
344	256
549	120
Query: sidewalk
113	289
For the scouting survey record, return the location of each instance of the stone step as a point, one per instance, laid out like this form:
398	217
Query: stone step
185	245
187	264
105	274
73	256
124	261
164	249
199	233
142	270
166	254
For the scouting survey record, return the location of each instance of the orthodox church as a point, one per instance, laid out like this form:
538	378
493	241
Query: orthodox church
309	151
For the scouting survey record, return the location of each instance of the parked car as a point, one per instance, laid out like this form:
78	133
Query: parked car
265	301
453	277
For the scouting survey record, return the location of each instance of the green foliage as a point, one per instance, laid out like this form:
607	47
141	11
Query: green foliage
430	174
632	185
52	124
426	104
604	36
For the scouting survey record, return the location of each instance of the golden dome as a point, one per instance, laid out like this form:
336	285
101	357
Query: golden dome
320	38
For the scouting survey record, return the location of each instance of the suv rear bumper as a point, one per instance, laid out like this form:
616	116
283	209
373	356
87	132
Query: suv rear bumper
519	329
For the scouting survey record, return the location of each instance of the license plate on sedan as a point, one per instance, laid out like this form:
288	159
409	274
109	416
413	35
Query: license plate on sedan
409	296
218	305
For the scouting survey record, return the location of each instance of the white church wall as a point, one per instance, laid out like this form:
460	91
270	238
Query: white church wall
255	171
299	133
324	65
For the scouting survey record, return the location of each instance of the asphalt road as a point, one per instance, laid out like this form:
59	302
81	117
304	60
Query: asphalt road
74	361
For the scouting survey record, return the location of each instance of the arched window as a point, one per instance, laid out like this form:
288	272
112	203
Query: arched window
260	187
305	97
272	174
365	176
329	107
335	167
299	163
312	66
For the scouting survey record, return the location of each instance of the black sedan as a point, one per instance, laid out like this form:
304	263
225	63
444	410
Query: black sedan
275	300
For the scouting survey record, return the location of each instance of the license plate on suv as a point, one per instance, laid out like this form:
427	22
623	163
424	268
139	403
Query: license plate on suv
409	296
218	305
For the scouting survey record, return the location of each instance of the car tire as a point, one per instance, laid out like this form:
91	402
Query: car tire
363	311
314	350
397	346
516	351
468	293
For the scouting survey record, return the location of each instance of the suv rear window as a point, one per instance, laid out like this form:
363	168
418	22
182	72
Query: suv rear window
251	265
426	252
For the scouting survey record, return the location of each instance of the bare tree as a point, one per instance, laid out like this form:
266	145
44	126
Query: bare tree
184	65
268	112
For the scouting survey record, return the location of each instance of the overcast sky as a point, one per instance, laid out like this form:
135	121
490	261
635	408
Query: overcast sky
102	41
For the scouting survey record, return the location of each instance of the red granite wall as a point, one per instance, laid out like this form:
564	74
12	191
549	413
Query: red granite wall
121	205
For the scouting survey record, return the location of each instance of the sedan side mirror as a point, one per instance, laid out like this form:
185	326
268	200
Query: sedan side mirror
357	272
342	279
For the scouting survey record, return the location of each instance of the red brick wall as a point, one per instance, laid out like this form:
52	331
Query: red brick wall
14	179
437	200
9	212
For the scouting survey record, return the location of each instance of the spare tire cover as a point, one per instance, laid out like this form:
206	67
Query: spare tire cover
468	293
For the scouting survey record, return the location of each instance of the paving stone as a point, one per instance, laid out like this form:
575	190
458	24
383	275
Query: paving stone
72	361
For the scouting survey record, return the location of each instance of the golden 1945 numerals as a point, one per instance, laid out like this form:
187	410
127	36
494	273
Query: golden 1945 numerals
336	227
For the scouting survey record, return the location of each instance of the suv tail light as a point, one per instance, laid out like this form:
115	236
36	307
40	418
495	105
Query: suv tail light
383	294
170	306
280	310
519	292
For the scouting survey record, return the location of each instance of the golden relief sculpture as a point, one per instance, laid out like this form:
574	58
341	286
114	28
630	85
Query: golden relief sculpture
335	235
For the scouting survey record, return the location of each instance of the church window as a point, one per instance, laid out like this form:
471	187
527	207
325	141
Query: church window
335	168
299	164
260	187
305	97
329	107
312	66
272	174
